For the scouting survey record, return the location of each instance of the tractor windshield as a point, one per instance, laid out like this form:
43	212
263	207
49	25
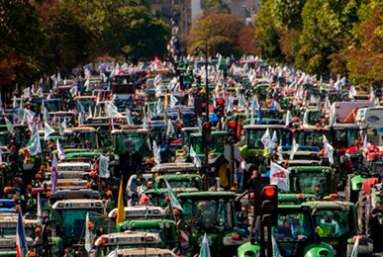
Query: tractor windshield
129	142
218	143
4	139
311	138
72	221
345	137
292	227
254	137
210	216
332	223
184	183
196	142
309	182
8	230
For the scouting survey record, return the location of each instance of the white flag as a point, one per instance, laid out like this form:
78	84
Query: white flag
48	130
34	146
196	160
9	126
104	167
60	151
354	252
276	252
266	140
289	118
170	128
279	177
88	234
294	149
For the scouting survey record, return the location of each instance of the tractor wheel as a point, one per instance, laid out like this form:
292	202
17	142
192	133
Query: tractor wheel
363	213
350	195
347	189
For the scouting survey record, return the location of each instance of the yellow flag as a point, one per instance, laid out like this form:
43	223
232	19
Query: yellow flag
217	88
166	99
120	206
203	90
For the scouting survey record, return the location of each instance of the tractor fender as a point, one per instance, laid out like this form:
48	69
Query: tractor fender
368	183
318	249
356	182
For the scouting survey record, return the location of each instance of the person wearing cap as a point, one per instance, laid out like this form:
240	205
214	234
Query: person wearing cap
38	240
108	201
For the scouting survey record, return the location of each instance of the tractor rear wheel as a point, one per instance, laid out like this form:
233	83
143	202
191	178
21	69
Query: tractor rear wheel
364	214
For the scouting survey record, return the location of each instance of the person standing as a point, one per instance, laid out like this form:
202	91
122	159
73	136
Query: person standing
240	173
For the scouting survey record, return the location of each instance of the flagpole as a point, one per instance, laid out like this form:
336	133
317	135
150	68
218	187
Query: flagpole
207	101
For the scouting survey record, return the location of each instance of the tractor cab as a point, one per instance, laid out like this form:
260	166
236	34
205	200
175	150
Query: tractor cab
294	235
179	184
317	180
166	228
131	147
107	243
253	147
336	223
80	137
70	219
311	136
212	213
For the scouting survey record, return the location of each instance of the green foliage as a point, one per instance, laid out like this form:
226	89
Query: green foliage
266	34
365	55
312	34
42	37
20	38
288	13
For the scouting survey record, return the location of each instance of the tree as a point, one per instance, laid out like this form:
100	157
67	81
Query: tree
266	34
20	40
365	55
67	37
221	31
326	29
246	41
287	14
144	35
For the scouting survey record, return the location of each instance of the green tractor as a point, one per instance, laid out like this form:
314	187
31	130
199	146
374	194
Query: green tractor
295	235
295	199
212	213
369	209
217	161
355	180
336	223
253	150
131	150
179	183
317	180
166	228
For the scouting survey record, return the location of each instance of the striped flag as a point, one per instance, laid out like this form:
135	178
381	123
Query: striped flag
54	173
21	238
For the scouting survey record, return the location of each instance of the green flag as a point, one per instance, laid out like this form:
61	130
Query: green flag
104	167
205	247
173	200
34	146
9	126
